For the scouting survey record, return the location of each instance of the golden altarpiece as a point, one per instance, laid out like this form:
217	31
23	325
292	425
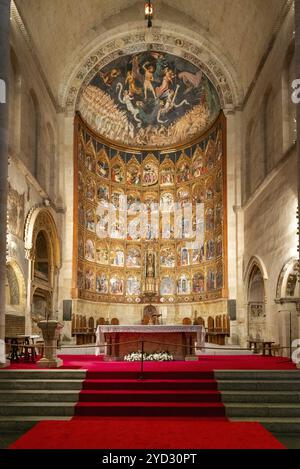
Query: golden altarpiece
119	263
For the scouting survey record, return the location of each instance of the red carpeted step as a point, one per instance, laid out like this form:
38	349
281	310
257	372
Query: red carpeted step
149	396
171	384
160	409
162	375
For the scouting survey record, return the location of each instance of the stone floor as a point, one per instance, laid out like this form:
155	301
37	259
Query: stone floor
290	441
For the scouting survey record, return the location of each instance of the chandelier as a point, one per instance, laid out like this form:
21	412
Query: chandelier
149	13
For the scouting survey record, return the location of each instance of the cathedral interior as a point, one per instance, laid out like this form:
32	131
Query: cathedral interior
150	172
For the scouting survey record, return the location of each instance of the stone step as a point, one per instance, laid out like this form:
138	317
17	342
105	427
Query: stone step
261	385
260	396
254	410
23	384
42	374
257	375
33	395
37	408
274	424
150	409
22	423
149	384
142	395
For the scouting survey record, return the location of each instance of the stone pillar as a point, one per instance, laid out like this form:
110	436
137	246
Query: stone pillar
51	331
297	67
4	74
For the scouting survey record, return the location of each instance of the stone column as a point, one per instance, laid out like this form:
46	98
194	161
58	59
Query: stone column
297	59
4	74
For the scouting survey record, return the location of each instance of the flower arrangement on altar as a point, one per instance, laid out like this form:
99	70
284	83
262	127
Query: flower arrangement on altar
155	356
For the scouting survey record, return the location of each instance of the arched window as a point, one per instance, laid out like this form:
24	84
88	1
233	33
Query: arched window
14	102
50	161
253	162
269	131
33	134
256	303
289	109
247	161
41	257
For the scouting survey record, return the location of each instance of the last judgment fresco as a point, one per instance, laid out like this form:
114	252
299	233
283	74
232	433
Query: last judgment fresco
150	99
153	218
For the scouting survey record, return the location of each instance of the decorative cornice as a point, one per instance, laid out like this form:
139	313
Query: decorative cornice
18	20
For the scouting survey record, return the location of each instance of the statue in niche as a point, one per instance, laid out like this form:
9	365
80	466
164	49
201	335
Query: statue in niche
150	265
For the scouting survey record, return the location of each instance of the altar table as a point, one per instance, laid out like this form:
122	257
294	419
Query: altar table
117	341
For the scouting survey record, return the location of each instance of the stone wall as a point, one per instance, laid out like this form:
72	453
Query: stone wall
271	169
32	156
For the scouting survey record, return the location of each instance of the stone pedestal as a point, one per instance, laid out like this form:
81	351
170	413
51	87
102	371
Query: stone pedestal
51	330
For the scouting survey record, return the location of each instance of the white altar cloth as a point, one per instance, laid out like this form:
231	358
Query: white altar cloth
144	329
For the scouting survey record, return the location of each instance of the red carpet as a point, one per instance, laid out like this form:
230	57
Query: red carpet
164	393
177	406
147	433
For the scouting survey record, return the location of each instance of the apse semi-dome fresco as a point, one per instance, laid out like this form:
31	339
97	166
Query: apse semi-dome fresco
150	99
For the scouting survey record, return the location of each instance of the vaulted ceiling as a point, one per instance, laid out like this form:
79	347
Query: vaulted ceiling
59	28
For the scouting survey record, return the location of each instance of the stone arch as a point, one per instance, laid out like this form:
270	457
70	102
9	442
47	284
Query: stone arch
41	219
255	260
41	290
124	39
287	300
20	305
287	286
255	281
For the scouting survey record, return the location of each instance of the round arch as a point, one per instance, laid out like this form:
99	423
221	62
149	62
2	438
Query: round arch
19	275
165	37
255	281
41	219
287	285
42	289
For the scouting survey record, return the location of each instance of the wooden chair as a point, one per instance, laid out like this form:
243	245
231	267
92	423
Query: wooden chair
84	324
145	320
199	321
91	324
211	329
115	322
73	324
226	324
39	347
275	349
187	321
100	322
